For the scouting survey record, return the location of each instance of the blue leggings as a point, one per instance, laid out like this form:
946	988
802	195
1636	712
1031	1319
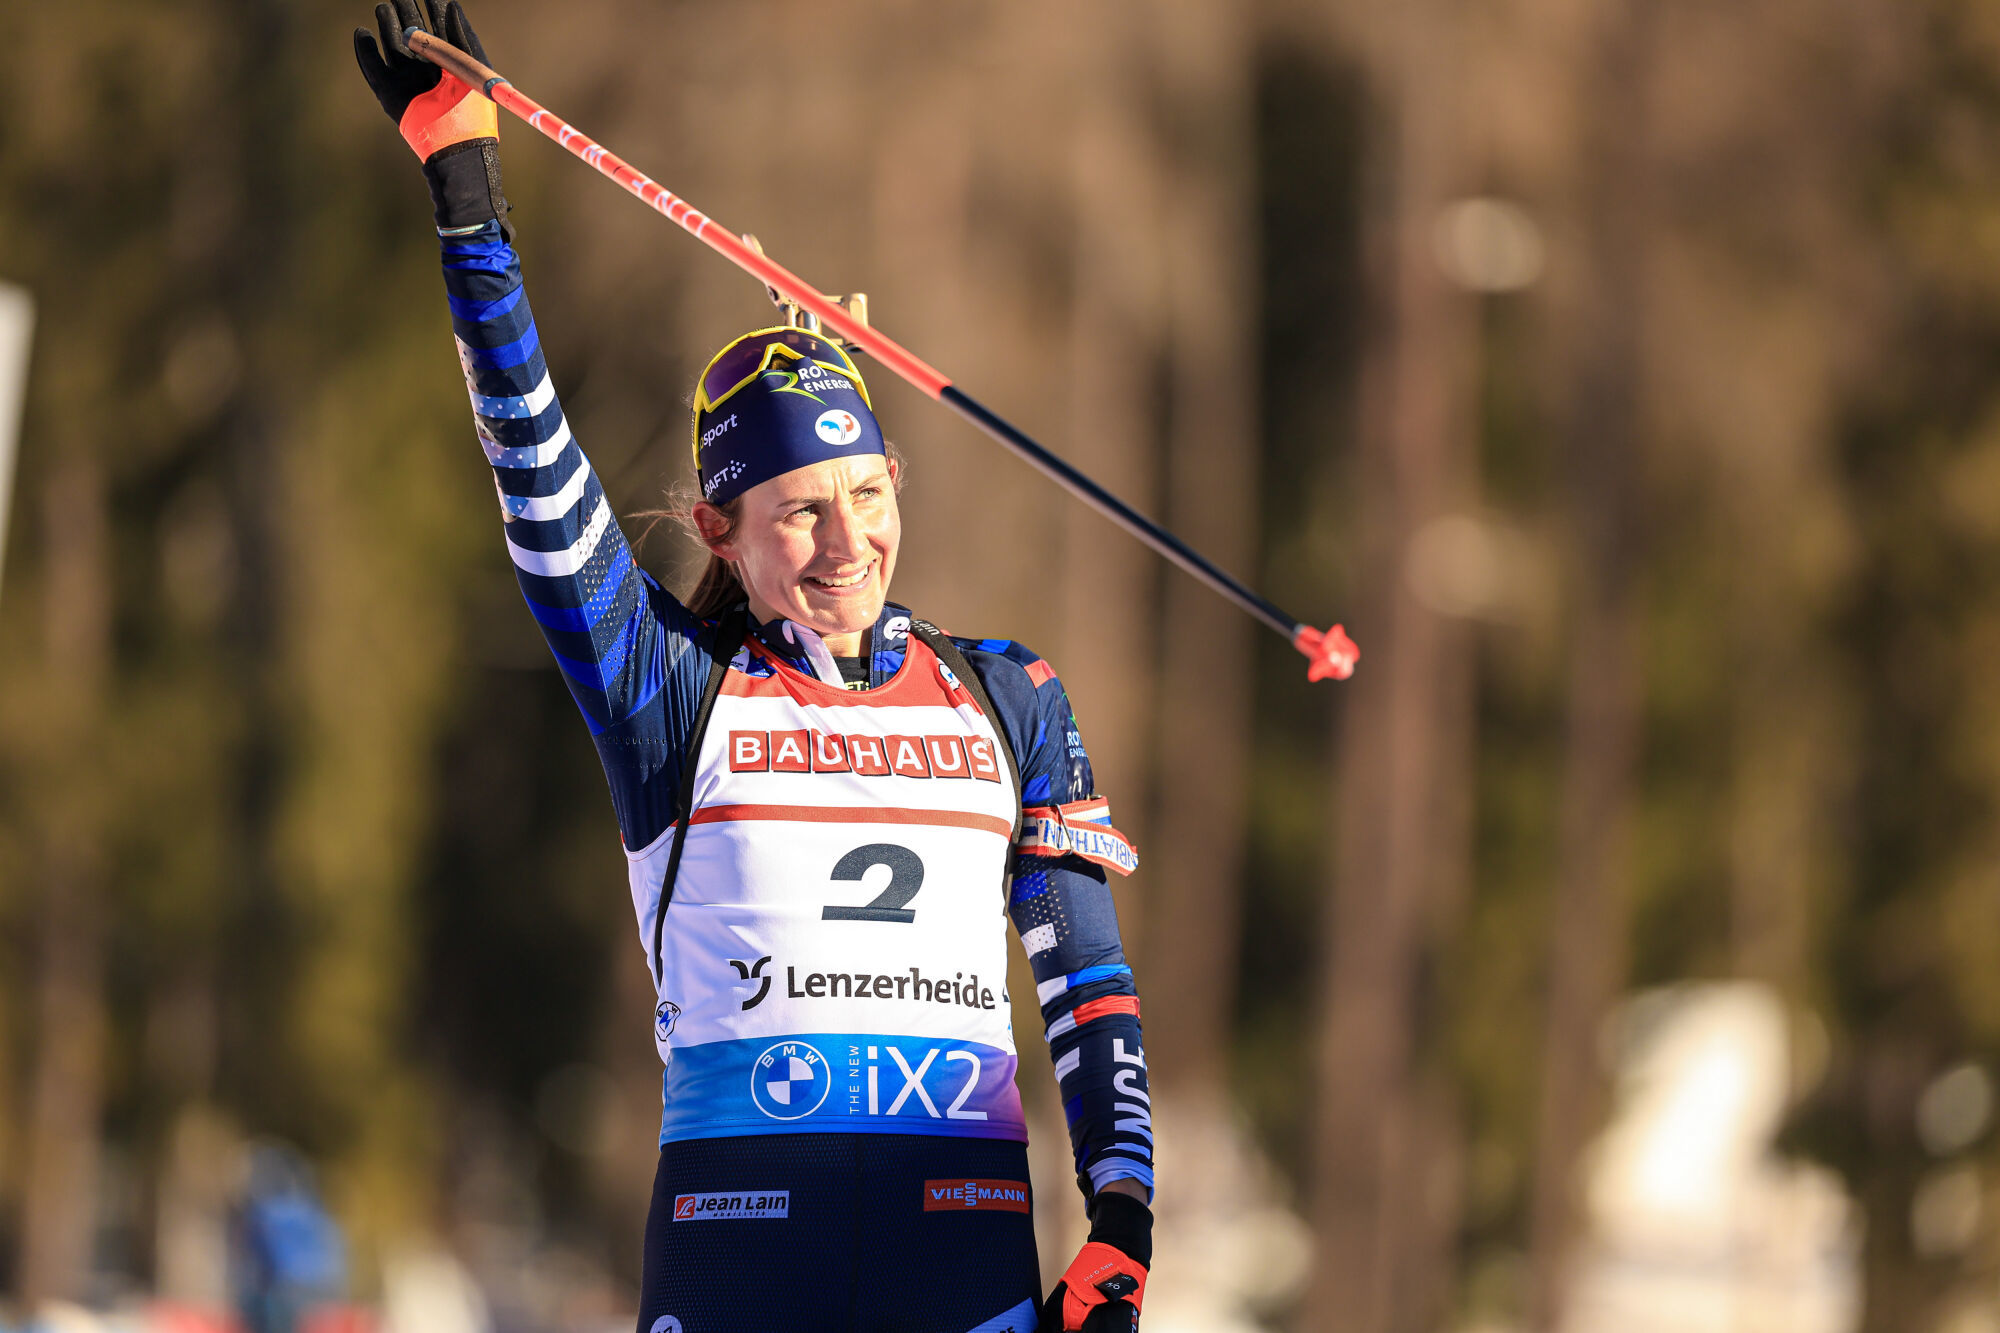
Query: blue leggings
840	1233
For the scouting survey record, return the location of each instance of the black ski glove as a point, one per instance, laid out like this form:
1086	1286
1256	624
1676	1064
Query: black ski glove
1105	1283
454	130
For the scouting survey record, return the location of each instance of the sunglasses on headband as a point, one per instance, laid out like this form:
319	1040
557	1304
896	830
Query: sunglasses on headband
754	353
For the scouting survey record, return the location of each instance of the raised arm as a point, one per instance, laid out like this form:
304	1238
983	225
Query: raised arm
621	641
575	569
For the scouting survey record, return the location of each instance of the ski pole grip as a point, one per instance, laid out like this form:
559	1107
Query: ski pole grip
452	61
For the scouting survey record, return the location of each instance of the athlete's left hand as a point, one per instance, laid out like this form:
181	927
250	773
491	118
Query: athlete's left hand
432	108
453	129
1101	1290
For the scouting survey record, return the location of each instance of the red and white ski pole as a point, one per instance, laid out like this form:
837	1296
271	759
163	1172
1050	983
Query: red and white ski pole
1328	652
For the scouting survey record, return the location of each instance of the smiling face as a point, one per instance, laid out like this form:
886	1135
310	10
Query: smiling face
816	545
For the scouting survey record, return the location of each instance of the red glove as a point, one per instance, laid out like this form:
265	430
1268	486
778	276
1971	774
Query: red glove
1103	1287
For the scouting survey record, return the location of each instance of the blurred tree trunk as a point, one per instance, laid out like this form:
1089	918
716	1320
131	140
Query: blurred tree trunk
1192	878
59	1201
358	492
1194	865
1404	771
1109	584
1590	913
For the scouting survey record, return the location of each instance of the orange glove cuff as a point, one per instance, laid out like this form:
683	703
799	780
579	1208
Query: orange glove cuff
448	114
1095	1263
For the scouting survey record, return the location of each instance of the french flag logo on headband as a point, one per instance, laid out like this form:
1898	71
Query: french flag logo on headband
838	427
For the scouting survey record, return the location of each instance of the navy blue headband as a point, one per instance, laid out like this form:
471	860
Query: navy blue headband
807	405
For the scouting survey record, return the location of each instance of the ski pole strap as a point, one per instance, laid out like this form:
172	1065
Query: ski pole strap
947	652
729	633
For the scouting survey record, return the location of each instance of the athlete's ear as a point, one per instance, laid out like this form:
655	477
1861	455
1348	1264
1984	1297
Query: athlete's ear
715	528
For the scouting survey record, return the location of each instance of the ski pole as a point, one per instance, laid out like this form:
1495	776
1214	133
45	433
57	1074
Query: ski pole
1328	652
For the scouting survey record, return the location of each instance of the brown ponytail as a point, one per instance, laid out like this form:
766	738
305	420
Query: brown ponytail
717	589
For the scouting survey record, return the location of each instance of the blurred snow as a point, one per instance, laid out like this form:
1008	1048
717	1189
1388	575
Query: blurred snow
1229	1252
1694	1224
426	1290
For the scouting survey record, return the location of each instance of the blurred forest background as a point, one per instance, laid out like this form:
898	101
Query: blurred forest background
1619	950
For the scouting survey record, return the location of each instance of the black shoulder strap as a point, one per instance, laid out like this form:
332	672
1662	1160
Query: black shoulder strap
947	652
729	633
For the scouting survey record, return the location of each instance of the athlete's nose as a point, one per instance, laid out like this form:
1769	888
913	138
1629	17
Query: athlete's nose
846	533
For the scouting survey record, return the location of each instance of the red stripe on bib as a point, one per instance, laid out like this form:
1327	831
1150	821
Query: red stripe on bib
852	814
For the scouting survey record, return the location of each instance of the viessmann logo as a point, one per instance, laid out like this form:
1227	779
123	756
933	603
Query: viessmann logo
979	1196
812	751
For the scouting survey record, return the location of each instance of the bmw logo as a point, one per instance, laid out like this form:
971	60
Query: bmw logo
838	427
790	1080
663	1019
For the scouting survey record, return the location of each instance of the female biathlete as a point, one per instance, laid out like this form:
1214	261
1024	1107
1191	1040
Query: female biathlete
826	805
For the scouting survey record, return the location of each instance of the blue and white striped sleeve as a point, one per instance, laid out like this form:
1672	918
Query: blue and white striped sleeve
619	639
1061	906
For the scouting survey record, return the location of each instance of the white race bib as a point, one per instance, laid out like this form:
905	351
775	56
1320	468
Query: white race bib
834	957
